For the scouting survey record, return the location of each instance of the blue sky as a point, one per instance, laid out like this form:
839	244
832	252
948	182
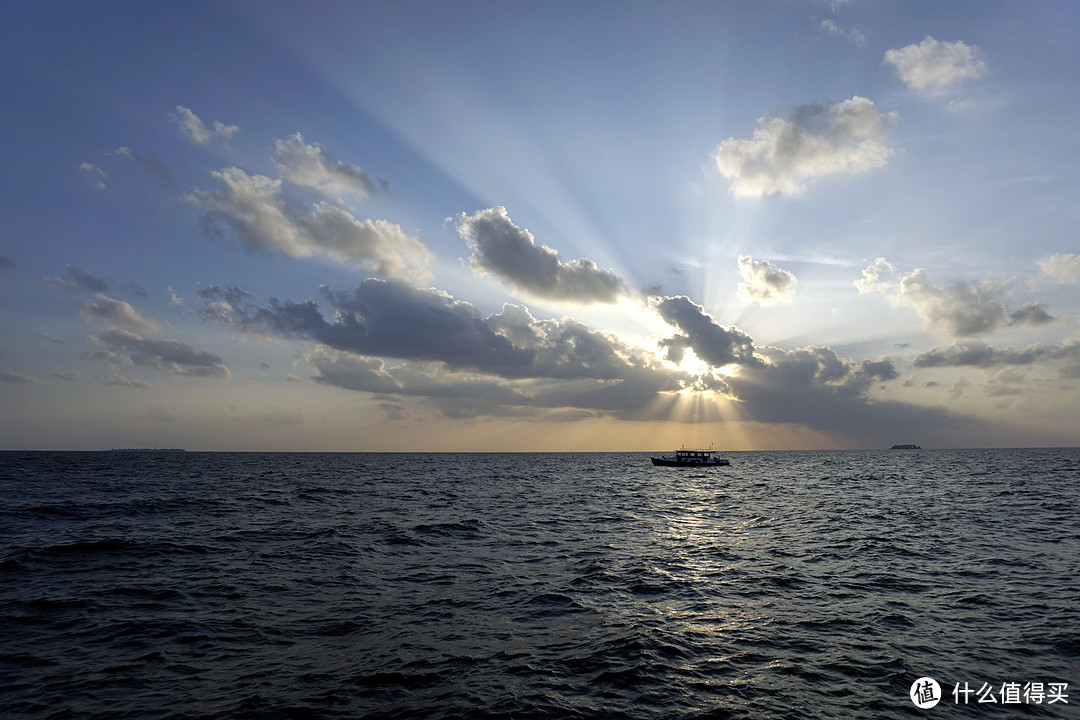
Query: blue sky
539	226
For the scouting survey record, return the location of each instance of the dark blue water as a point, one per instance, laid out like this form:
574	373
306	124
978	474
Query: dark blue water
790	585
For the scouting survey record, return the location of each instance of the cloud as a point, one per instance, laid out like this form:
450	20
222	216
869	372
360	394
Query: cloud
76	280
872	280
152	164
816	387
711	342
394	340
1005	382
1035	314
15	378
312	166
159	415
1063	268
511	253
811	385
121	381
105	310
975	353
783	156
764	283
457	395
958	310
194	128
112	360
277	415
780	372
466	363
265	218
933	67
168	356
959	387
396	320
94	175
831	27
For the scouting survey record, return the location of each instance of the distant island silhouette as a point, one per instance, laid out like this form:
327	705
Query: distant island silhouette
146	450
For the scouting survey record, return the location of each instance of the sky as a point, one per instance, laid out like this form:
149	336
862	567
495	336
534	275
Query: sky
539	226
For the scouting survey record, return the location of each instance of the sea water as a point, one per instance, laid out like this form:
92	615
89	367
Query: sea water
788	585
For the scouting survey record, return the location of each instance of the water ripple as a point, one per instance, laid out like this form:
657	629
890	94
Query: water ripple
790	585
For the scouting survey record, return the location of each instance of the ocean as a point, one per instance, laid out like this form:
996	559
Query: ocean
789	585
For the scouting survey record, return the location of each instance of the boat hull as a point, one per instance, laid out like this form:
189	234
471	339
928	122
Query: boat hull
671	462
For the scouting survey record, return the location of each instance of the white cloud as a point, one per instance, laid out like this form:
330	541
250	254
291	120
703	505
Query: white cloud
312	166
108	311
94	175
264	217
195	129
833	28
764	283
223	131
1063	268
784	155
960	309
511	253
933	67
872	276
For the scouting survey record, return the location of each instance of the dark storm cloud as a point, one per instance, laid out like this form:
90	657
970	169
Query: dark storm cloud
511	253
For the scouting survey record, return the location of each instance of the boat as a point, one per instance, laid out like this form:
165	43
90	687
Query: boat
905	447
687	457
